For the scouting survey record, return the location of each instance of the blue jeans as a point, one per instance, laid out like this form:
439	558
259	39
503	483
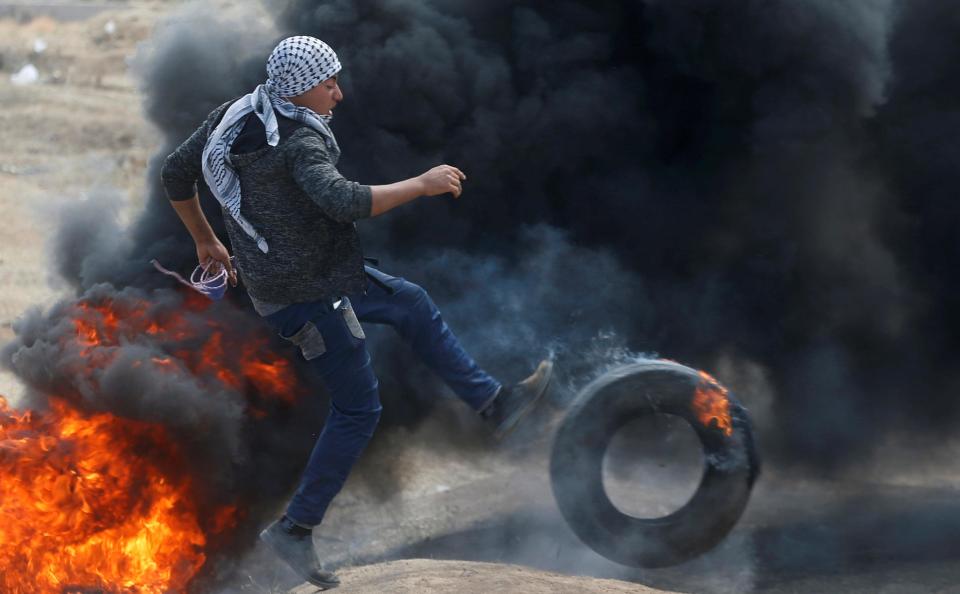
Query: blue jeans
333	342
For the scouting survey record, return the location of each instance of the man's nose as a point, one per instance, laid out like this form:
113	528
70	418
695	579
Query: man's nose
338	94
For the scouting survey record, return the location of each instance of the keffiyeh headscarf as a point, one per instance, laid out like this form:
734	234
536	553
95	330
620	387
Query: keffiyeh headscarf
296	65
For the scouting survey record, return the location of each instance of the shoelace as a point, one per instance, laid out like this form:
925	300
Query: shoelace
203	279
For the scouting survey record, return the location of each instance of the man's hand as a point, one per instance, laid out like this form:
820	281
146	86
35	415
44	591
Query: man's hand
439	180
208	246
442	179
214	250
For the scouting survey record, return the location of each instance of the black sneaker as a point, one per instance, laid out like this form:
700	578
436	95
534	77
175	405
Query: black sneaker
296	549
514	402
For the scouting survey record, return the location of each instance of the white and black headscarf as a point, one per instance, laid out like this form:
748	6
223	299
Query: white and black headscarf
296	65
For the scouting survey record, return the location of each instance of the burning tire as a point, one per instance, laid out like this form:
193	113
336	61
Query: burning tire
619	397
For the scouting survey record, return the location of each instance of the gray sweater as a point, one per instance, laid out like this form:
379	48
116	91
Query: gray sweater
295	197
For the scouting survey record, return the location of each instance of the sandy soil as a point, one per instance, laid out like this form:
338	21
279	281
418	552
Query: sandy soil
423	575
78	130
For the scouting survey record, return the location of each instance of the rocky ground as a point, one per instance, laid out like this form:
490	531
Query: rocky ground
481	520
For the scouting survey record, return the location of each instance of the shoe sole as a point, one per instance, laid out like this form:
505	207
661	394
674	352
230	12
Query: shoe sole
267	539
514	420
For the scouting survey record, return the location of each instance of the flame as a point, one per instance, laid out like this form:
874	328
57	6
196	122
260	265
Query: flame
95	502
105	324
87	504
711	404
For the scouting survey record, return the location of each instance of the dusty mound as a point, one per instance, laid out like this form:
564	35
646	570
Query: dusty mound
425	575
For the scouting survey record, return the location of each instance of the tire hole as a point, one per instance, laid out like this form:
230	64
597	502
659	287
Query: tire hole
653	466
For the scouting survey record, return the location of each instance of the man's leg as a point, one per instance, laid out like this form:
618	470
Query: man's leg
354	412
410	310
339	354
333	343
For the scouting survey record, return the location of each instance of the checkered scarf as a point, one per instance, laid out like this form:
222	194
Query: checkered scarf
296	65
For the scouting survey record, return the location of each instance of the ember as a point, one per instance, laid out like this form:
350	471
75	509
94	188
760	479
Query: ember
88	504
711	405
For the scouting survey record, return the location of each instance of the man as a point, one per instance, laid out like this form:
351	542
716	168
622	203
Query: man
293	234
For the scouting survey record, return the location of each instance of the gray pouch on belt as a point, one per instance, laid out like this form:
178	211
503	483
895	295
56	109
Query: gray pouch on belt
310	341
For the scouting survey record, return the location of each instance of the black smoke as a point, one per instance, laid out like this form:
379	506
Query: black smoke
773	178
762	180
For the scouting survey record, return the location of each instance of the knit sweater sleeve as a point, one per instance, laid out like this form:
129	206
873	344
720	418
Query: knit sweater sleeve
312	168
184	166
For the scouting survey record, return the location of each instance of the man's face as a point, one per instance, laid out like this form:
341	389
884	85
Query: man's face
321	98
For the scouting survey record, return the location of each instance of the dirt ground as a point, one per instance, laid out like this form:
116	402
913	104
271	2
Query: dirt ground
472	522
78	129
420	575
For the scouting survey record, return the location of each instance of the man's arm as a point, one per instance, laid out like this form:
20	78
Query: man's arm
439	180
346	201
179	174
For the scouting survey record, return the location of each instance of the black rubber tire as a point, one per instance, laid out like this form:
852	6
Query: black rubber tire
576	467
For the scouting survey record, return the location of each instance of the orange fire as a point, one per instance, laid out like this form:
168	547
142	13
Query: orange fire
87	506
711	405
106	324
95	502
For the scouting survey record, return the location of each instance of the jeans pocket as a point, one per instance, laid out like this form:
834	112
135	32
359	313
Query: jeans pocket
353	324
310	341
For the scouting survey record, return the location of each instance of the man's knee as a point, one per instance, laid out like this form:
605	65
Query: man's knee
422	304
412	294
363	421
414	307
